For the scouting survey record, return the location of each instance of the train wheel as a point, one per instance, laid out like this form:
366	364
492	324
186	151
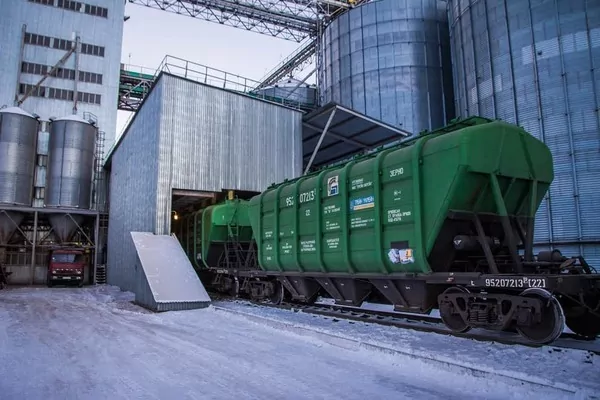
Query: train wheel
278	293
553	319
451	318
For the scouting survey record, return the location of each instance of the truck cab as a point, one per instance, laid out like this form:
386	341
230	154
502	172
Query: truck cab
66	267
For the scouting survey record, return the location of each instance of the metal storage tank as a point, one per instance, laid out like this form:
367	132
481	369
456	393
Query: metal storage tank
293	90
537	64
70	163
18	142
390	60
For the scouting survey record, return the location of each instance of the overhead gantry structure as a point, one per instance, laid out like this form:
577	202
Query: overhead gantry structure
288	19
295	20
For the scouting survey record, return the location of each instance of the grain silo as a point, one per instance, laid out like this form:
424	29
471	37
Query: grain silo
70	171
535	63
18	139
390	60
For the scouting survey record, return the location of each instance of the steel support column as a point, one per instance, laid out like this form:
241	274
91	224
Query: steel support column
316	150
33	246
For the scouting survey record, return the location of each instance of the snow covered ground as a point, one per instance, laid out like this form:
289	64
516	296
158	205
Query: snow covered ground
547	365
92	343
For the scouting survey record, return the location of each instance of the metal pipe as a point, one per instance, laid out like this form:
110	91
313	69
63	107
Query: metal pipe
49	73
76	84
19	66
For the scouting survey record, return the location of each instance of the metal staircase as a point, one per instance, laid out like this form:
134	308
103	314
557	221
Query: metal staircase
100	277
234	255
101	274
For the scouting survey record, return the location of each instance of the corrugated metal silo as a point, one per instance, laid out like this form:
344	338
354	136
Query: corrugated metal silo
70	170
292	90
70	163
536	63
390	59
18	140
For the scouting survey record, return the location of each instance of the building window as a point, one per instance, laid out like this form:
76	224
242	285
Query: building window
37	40
62	73
92	50
75	6
60	94
44	2
62	44
25	88
96	11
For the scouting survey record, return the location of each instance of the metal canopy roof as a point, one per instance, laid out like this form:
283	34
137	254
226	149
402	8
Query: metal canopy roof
342	132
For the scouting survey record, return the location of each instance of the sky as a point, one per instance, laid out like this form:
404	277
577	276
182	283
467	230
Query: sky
149	35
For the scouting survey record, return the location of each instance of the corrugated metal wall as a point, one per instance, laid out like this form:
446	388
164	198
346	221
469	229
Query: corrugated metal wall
212	139
60	23
133	188
193	137
537	63
390	59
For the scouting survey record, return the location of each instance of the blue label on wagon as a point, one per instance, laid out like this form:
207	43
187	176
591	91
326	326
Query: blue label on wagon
362	203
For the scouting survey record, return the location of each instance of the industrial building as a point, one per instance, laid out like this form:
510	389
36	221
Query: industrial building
187	145
58	90
58	69
386	69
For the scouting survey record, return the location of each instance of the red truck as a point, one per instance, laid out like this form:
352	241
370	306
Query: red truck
66	266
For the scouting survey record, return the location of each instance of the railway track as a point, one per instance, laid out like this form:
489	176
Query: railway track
422	323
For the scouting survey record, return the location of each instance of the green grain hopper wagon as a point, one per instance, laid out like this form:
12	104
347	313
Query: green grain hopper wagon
438	221
215	227
399	210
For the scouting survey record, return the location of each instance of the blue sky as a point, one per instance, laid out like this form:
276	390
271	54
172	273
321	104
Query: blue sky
151	34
